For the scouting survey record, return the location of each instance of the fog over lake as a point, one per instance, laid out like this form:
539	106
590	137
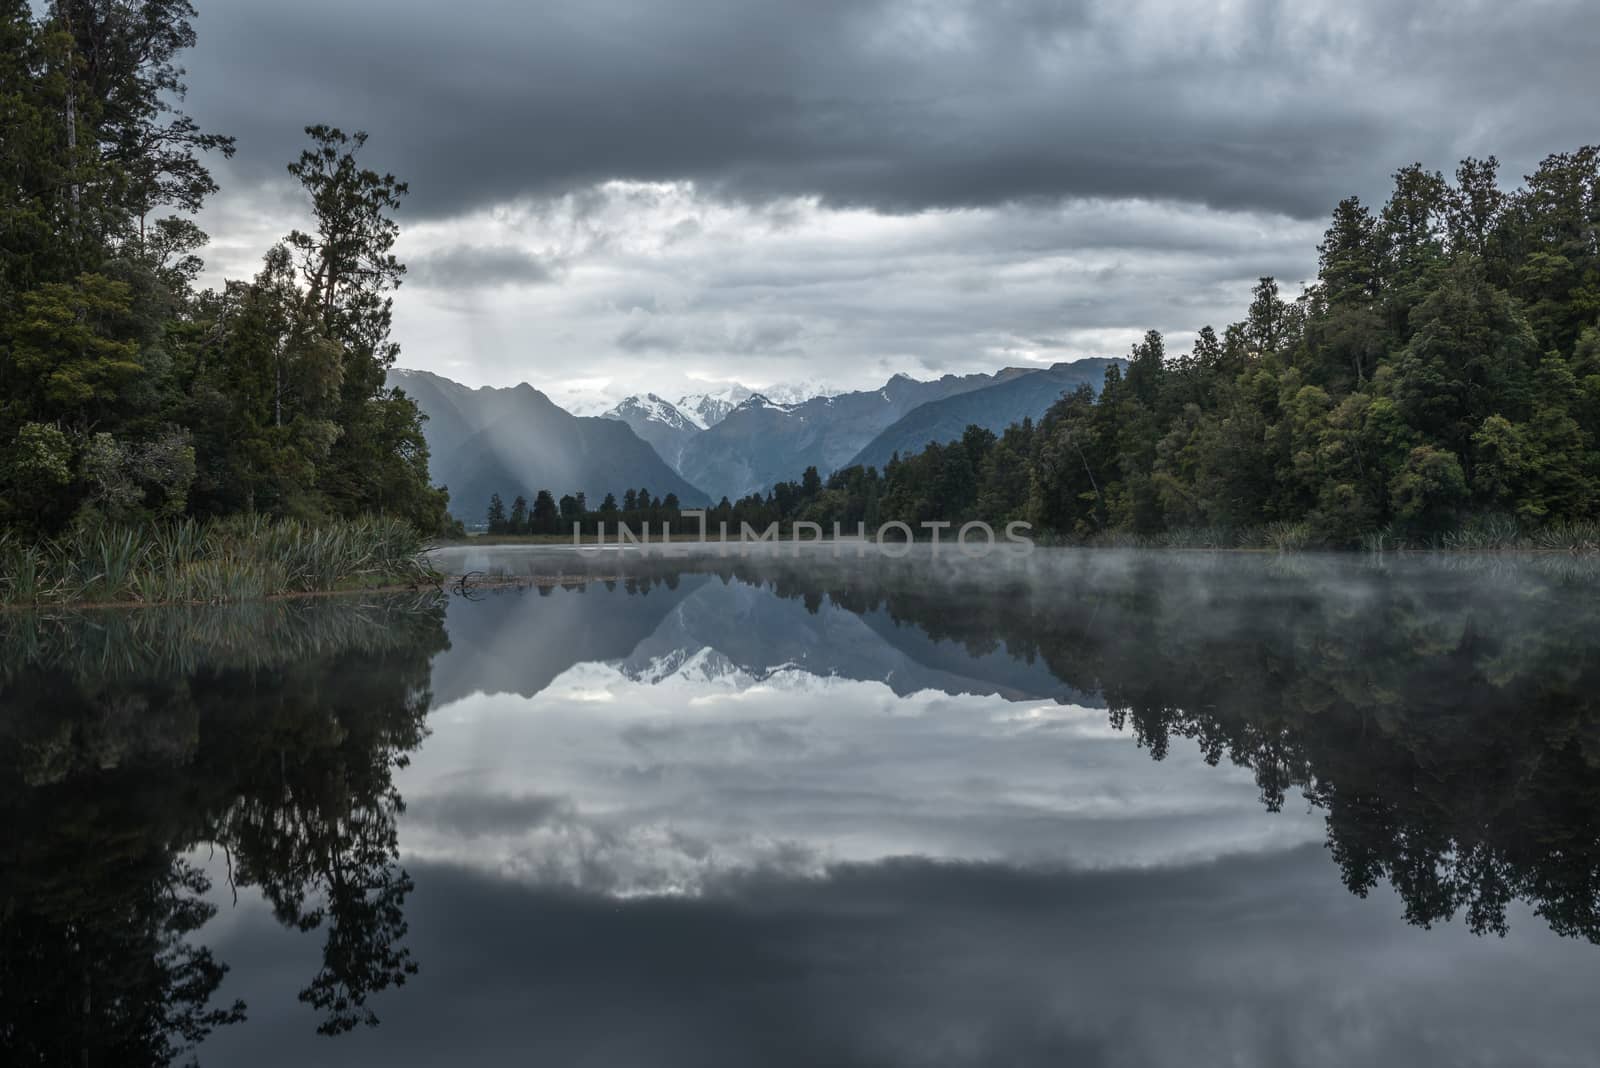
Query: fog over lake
673	807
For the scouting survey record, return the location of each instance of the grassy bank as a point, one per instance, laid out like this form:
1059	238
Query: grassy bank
238	559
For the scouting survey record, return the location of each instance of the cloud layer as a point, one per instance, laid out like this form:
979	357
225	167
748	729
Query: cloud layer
838	190
904	105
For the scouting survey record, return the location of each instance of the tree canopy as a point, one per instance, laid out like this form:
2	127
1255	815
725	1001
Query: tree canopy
127	394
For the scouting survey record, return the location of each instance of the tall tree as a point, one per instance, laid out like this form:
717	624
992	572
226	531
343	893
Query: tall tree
348	272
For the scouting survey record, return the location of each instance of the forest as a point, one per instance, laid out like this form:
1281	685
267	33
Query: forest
547	516
130	396
1438	384
1439	378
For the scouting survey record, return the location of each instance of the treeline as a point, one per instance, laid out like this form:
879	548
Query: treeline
127	394
546	515
787	503
1442	372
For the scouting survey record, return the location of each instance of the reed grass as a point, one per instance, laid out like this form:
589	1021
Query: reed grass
1496	533
218	562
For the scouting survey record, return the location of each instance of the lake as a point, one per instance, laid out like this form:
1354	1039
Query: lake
671	808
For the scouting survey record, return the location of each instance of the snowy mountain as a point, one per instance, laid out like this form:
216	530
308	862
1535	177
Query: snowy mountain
761	440
762	402
653	409
666	426
709	409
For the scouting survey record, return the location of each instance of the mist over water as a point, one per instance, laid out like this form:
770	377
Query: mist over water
671	807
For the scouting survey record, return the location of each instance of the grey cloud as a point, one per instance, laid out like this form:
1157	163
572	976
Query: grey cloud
467	266
902	105
738	334
1062	148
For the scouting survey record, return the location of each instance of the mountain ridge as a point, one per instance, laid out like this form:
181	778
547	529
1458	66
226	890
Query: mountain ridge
762	442
1018	393
517	440
730	443
665	425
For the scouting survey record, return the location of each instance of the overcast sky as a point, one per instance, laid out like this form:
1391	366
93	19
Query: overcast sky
626	195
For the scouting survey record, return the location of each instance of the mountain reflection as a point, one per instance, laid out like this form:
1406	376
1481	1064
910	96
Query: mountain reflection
265	736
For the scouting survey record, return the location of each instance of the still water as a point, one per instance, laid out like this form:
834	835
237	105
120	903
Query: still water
1063	808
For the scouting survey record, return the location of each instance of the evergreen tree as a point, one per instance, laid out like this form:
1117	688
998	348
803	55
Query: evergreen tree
126	395
544	518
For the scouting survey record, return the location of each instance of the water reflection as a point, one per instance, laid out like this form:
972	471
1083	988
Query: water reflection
1080	808
267	735
1441	712
1444	713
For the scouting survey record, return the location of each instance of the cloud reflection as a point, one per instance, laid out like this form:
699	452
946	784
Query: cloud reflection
664	773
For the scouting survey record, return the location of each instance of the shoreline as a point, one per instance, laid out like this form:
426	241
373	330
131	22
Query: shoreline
452	581
449	584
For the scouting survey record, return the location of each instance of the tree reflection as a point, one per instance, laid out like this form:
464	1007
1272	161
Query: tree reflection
266	736
1445	714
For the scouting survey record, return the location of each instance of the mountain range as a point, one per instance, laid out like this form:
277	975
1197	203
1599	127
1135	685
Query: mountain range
760	441
518	441
728	443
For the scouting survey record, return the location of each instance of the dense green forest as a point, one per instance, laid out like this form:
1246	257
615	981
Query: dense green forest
128	395
1443	370
1440	378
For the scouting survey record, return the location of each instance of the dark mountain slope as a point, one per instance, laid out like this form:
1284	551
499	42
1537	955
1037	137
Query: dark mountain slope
518	441
1014	398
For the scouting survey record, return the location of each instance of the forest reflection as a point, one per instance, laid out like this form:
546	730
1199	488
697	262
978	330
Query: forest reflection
265	735
1444	712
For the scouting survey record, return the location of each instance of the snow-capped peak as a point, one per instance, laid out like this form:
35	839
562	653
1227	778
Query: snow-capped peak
711	408
654	409
761	400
